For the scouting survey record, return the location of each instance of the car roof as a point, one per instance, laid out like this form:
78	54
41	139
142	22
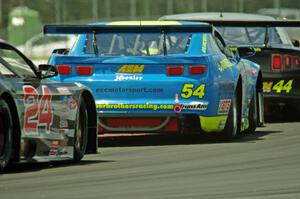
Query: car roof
217	16
151	23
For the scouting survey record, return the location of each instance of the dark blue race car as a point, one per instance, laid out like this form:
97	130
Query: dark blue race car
151	76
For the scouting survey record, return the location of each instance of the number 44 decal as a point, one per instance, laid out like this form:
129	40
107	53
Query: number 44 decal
189	90
37	112
281	86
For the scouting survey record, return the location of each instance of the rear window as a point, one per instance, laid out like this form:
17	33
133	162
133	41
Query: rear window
254	36
138	44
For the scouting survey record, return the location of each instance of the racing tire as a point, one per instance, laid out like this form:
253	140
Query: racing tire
233	123
253	117
81	132
6	134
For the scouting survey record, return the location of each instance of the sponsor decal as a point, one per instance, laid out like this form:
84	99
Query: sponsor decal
129	90
224	106
63	123
136	106
224	64
131	68
193	106
221	124
176	107
64	91
128	77
72	103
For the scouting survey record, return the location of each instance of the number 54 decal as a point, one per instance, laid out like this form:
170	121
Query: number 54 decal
278	87
37	113
189	90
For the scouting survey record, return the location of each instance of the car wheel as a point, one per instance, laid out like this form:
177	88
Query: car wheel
6	133
81	132
233	123
252	114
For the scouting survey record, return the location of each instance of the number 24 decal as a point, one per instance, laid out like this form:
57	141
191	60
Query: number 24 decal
37	112
189	90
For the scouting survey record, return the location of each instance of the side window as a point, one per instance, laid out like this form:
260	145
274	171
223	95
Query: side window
222	46
212	45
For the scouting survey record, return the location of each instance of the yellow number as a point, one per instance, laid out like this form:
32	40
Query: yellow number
288	86
280	86
199	91
188	91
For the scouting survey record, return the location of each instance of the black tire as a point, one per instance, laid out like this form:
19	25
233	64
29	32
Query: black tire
81	132
233	123
6	134
253	111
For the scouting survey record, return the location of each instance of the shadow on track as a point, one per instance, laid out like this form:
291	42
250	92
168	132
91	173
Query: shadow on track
179	139
32	167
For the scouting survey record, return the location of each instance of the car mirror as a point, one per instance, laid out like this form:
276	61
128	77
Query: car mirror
245	52
296	42
61	51
47	71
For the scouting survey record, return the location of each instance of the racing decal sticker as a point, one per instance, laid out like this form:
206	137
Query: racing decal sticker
129	90
37	112
72	103
64	91
131	68
278	87
134	71
192	106
224	64
136	106
128	77
224	106
190	90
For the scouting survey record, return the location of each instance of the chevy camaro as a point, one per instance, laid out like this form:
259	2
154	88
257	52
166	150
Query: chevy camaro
151	76
276	53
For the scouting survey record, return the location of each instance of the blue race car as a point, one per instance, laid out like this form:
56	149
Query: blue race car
162	76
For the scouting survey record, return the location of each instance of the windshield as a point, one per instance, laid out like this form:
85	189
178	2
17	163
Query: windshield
137	44
255	36
13	63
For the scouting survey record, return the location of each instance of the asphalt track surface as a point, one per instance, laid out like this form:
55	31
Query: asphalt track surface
261	166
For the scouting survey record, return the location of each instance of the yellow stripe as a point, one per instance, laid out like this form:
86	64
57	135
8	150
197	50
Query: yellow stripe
144	23
213	124
204	42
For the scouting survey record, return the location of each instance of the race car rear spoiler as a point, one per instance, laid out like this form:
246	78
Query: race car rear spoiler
243	23
84	29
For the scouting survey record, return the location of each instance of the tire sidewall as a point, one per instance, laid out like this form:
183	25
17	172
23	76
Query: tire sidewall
6	119
253	113
232	124
81	122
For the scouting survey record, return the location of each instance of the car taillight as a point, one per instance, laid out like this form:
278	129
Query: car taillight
197	70
288	61
296	62
84	70
276	62
64	69
175	70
